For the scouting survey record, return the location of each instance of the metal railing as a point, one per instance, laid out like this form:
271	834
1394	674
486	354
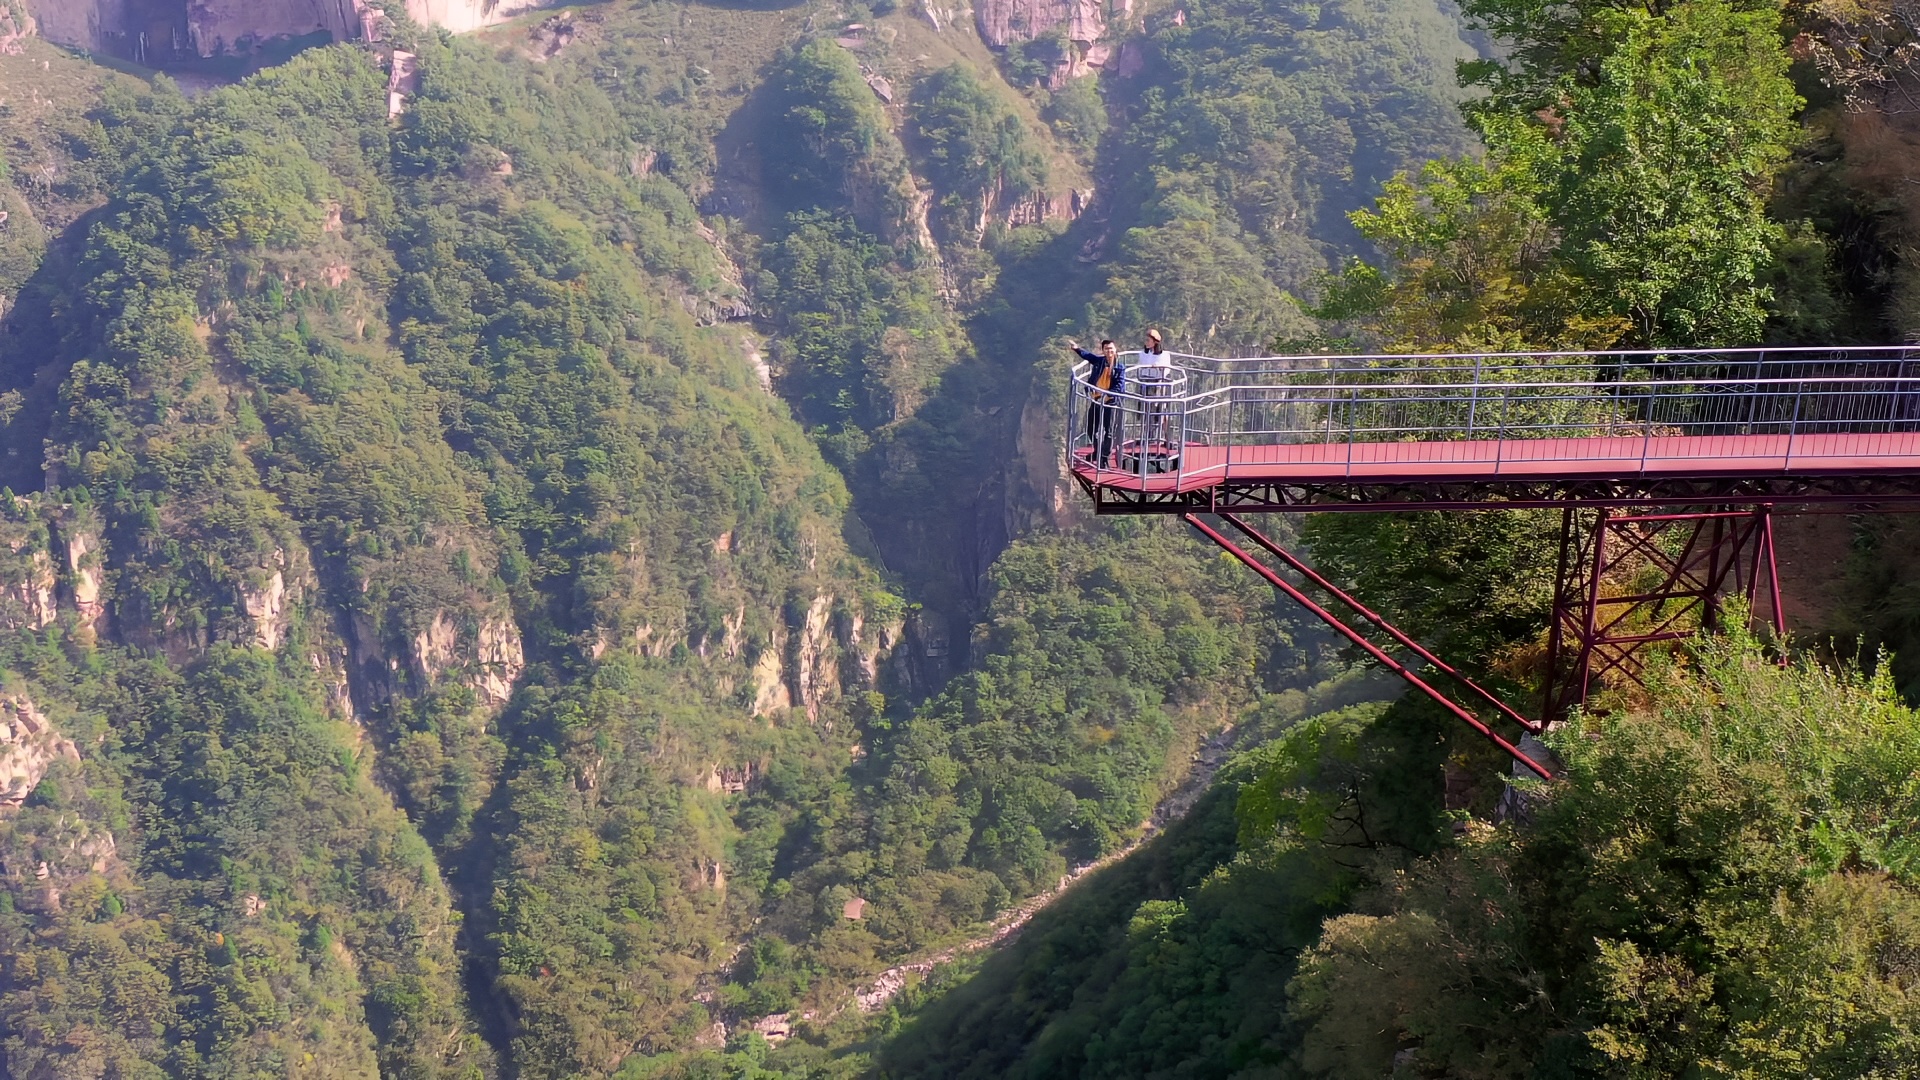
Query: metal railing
1210	416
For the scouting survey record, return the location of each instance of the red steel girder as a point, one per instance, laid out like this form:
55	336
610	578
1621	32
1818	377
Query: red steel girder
1379	655
1394	632
1839	493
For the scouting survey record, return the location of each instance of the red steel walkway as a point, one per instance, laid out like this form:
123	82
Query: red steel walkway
1591	458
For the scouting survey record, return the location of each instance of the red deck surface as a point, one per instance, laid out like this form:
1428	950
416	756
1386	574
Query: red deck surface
1597	458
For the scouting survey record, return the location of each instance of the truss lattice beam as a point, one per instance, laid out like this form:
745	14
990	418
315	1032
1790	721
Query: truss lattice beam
1629	581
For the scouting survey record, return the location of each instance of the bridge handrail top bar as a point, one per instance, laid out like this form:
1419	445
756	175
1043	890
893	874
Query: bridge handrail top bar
1553	354
1346	389
1306	394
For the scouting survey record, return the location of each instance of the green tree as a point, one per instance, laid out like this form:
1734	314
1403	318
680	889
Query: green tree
1473	265
1662	171
979	153
1631	209
1723	881
831	143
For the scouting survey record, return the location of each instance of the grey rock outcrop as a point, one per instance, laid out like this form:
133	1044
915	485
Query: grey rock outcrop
160	32
26	595
489	654
87	576
461	16
1003	22
264	597
28	748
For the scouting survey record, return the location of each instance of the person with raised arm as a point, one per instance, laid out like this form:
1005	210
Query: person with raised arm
1106	377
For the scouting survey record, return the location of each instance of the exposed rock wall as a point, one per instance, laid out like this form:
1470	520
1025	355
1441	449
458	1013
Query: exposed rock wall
832	648
160	32
770	693
460	16
28	748
501	660
1081	24
71	22
1038	487
86	574
265	601
408	629
26	586
167	31
490	656
1003	22
1033	208
812	665
222	27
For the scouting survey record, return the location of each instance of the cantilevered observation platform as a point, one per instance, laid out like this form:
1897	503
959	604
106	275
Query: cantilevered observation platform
1666	463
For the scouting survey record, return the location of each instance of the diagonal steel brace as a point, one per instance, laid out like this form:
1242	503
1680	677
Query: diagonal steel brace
1379	655
1300	567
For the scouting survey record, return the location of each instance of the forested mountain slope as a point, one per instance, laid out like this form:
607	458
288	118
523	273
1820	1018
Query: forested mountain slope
534	553
435	647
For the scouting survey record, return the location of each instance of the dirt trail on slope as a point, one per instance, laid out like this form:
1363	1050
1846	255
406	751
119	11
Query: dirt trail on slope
1207	761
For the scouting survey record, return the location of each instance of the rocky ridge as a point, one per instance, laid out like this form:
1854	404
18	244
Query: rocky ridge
163	32
28	748
1082	26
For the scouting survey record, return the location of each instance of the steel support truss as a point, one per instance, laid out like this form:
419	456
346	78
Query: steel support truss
1628	581
1483	701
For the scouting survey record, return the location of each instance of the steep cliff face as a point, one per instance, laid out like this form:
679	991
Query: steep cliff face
1080	24
70	22
1003	22
161	32
216	27
460	16
833	648
164	32
28	748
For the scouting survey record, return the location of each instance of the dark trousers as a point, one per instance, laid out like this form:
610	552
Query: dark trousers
1102	420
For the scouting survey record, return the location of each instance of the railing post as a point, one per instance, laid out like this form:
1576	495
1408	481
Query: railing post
1353	420
1146	422
1229	436
1646	430
1793	426
1473	404
1180	448
1073	410
1500	434
1899	395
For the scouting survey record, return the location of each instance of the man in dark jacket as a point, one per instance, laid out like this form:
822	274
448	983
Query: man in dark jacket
1106	376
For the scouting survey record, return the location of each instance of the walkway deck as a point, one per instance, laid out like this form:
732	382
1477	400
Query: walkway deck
1523	460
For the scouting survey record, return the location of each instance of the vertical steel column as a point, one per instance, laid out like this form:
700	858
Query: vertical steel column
1590	621
1552	684
1773	580
1698	557
1716	570
1765	563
